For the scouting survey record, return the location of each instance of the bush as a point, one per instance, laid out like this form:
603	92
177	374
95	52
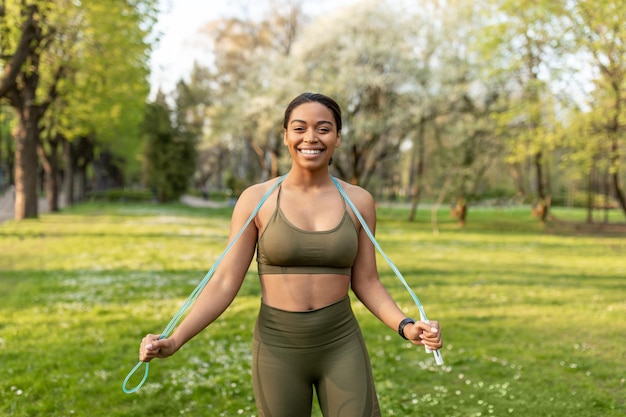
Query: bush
120	194
599	201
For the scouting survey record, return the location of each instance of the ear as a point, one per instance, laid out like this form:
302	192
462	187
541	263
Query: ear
285	137
338	140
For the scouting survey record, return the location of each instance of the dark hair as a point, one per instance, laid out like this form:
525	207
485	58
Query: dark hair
314	98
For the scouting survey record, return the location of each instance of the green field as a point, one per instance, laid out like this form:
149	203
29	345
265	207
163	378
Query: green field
534	324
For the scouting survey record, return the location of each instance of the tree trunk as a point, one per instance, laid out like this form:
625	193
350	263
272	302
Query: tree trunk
83	156
68	178
7	155
605	193
50	164
543	206
619	194
26	165
590	193
417	171
20	89
82	183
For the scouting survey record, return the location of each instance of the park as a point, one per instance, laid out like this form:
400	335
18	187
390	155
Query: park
489	134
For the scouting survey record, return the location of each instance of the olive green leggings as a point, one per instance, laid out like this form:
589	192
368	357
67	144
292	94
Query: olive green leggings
294	352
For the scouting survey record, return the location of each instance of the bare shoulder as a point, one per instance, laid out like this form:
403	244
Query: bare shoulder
252	195
359	196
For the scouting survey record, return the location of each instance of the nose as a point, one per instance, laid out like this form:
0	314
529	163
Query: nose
310	136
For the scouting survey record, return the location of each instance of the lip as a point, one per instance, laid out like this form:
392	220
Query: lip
311	152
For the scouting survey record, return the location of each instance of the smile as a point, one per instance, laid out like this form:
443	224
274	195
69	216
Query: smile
310	151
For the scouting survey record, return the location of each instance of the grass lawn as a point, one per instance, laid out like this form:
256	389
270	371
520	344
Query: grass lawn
534	324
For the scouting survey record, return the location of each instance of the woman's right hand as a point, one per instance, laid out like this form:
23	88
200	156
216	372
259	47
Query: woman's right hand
152	347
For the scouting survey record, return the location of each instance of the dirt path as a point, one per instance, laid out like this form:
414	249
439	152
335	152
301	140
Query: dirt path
192	201
7	207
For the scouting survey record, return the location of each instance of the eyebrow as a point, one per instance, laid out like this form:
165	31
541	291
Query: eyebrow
317	124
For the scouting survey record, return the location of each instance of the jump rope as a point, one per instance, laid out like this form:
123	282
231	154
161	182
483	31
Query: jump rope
196	292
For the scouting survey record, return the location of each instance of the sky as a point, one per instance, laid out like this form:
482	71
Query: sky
181	44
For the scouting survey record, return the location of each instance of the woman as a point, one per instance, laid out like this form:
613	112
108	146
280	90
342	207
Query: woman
311	250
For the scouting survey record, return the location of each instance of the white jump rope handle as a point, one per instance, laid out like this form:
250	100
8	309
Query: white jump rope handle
436	353
438	357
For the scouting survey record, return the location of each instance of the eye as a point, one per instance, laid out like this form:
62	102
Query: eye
299	129
324	130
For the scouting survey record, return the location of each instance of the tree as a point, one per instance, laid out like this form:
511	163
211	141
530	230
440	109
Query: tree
427	38
170	152
523	41
42	47
453	126
588	151
247	79
30	88
361	57
104	94
600	30
192	100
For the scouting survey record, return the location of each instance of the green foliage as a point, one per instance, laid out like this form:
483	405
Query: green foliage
236	185
169	154
598	201
532	322
123	195
107	87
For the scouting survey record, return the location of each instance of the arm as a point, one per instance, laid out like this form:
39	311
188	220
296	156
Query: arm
221	289
369	289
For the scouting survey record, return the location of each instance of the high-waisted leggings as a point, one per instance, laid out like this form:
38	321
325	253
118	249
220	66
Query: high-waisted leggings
295	352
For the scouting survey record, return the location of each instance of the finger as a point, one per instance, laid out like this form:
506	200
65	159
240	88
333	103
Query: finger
434	324
145	356
433	331
433	342
434	345
154	346
427	326
148	349
419	331
150	340
151	337
432	337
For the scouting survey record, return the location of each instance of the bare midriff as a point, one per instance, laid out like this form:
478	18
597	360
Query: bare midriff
303	292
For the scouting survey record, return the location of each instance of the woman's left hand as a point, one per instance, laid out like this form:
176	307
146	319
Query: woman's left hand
425	333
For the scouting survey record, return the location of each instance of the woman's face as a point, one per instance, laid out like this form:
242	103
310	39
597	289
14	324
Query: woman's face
311	135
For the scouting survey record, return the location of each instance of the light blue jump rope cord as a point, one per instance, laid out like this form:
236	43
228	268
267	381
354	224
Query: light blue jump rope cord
418	303
196	292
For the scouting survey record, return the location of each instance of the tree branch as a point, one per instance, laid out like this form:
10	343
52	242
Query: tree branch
30	32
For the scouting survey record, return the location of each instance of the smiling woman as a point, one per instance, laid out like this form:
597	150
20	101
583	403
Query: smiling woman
312	248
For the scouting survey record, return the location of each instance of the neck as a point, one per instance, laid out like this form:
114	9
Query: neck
305	178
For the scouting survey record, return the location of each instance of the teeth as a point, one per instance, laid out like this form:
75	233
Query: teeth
310	151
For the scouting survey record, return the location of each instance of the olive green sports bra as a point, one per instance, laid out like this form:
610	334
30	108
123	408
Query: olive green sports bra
286	249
